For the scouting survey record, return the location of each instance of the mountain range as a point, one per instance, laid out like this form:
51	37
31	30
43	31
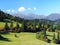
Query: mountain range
53	16
30	16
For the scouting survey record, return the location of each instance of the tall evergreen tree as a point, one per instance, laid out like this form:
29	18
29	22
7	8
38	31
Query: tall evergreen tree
11	25
58	36
44	31
25	25
17	26
6	27
54	36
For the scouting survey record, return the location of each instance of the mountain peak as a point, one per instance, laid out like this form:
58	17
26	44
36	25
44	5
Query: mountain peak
53	16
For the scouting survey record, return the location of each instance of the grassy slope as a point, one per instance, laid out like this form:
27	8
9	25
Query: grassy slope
24	39
2	24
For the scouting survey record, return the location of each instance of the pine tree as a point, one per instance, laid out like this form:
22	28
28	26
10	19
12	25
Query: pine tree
44	31
17	26
25	25
58	36
11	25
54	36
6	27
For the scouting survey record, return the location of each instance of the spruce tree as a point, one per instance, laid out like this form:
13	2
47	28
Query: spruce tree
17	26
44	31
58	36
6	27
11	25
25	25
54	36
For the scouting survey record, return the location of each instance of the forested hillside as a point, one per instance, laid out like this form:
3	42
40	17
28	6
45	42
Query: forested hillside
5	17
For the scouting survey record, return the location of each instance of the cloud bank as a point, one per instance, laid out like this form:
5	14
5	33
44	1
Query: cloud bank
20	9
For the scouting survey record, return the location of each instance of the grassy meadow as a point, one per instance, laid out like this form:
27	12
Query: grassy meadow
24	38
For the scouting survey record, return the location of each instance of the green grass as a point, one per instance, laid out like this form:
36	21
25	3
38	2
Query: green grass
2	25
23	39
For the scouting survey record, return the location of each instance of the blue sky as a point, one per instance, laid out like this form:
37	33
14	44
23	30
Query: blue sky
40	7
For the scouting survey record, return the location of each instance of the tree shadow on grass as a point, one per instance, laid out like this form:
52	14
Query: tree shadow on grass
4	39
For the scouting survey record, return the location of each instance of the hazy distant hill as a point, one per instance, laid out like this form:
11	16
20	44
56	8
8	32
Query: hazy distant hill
31	16
54	16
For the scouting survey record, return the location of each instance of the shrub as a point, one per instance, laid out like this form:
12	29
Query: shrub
38	35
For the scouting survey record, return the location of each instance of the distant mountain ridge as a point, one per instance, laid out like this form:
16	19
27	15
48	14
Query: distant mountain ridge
31	16
53	16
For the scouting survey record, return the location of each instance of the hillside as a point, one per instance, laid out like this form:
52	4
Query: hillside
5	17
53	16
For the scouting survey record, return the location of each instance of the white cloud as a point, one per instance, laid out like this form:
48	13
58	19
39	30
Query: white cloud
21	9
8	11
29	9
34	8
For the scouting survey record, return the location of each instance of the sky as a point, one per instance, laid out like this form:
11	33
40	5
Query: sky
40	7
